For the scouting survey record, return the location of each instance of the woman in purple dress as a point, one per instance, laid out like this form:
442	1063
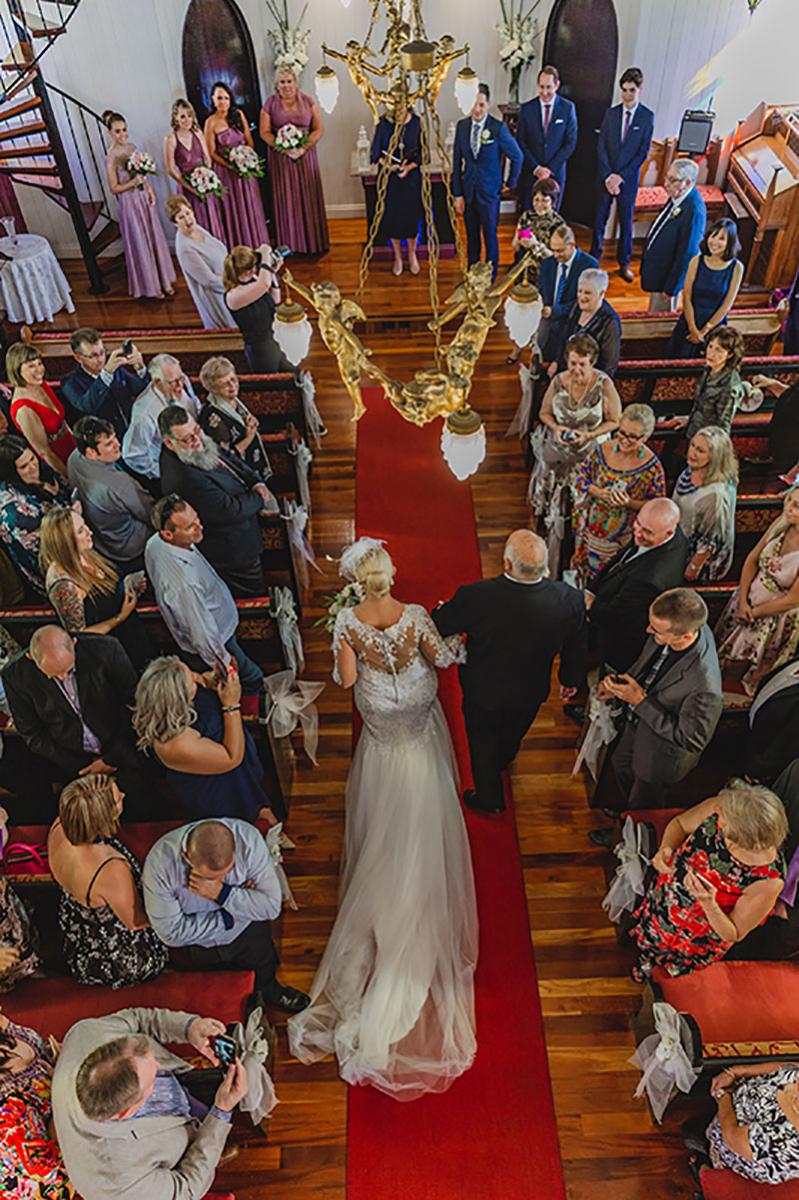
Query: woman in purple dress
147	257
185	149
243	210
298	202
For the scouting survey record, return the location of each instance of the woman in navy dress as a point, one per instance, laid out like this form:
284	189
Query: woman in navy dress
404	193
711	285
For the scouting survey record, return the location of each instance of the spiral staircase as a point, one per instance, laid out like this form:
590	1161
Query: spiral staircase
50	140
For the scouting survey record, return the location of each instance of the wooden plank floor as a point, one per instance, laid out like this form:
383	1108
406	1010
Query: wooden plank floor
611	1150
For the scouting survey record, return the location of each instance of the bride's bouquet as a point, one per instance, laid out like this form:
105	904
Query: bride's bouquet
350	595
140	163
205	182
289	137
245	162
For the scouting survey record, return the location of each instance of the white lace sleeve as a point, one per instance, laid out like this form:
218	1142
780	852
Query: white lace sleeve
339	629
441	652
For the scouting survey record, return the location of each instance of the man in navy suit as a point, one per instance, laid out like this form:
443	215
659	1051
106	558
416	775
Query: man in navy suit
103	385
480	142
674	238
557	283
624	141
547	134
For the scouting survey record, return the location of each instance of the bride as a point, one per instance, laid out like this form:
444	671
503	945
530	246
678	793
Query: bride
393	998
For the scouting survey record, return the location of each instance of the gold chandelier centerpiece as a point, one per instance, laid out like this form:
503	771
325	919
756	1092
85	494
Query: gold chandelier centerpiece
408	71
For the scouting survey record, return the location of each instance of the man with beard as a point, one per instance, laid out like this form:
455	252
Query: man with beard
228	496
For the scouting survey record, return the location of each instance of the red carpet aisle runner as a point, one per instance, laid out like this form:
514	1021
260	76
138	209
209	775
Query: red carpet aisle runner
493	1133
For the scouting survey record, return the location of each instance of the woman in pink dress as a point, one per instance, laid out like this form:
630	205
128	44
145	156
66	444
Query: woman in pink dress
298	202
243	210
147	257
759	628
185	149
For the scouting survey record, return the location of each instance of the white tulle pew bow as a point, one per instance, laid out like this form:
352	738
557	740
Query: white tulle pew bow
304	458
313	418
253	1051
627	885
296	518
601	732
291	703
663	1061
284	612
520	424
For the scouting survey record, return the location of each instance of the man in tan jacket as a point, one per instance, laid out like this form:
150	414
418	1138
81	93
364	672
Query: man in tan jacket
128	1127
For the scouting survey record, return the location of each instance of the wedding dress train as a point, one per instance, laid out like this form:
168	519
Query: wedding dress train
393	997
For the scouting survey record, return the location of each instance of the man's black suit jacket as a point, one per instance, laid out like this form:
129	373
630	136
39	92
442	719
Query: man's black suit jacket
227	506
48	723
514	630
620	614
774	735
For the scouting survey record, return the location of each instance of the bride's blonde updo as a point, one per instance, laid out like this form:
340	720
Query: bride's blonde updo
375	573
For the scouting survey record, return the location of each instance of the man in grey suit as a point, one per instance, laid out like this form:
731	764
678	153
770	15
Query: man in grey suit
672	699
126	1121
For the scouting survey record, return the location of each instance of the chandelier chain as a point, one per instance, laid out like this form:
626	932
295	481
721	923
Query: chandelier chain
430	224
380	207
446	165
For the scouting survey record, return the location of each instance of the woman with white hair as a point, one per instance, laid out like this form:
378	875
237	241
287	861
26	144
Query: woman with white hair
591	313
393	997
706	492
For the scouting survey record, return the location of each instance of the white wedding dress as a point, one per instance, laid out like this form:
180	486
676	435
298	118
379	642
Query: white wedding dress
393	998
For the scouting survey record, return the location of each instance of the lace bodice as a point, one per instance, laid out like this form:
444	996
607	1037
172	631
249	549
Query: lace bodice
396	685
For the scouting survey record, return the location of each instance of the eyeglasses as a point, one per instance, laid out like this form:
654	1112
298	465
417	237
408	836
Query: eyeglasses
631	437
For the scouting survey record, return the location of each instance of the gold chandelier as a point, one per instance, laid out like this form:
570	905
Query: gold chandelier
409	70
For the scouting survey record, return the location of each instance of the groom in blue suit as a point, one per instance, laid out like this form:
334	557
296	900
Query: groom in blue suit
547	134
624	142
480	142
674	237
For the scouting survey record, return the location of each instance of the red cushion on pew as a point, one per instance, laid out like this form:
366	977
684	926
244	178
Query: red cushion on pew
726	1185
53	1005
738	1001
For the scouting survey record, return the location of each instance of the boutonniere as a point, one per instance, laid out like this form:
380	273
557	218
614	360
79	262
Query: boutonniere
486	138
675	212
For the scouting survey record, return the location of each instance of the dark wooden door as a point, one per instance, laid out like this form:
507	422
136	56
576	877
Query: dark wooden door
217	47
582	41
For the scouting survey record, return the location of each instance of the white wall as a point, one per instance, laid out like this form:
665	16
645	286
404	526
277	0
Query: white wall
126	54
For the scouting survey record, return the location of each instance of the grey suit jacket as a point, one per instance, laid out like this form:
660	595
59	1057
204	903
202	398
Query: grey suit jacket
680	713
144	1158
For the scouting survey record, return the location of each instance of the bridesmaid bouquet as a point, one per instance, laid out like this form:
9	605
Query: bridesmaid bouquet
140	163
205	182
246	162
289	137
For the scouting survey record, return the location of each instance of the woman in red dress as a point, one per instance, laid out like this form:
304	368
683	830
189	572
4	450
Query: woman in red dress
36	410
719	874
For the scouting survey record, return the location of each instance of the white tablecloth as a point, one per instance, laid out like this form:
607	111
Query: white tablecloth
32	285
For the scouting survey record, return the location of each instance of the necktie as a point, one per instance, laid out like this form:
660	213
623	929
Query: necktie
628	116
563	271
475	139
547	111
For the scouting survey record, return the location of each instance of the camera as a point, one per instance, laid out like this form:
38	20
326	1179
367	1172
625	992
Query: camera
225	1049
569	435
277	256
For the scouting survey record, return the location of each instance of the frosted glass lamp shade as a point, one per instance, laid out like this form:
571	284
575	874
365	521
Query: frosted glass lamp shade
523	309
463	442
326	86
345	3
292	331
466	83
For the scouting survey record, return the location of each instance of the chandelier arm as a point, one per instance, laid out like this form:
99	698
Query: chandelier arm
380	206
430	222
460	247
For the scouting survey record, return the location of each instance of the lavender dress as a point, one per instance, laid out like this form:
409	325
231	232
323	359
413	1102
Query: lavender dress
243	211
208	212
147	257
298	202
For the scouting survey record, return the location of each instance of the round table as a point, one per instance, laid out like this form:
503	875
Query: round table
32	284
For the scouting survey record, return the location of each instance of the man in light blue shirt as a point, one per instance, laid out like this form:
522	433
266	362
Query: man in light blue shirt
210	891
141	446
194	600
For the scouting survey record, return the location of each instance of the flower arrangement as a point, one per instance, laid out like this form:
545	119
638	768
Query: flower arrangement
350	595
518	31
290	44
140	163
246	162
204	181
289	137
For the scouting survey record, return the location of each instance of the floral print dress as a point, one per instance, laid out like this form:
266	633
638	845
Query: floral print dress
672	930
602	529
30	1161
98	948
774	1140
21	515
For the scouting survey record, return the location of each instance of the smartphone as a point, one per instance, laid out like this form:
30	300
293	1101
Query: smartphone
617	679
127	347
220	670
225	1049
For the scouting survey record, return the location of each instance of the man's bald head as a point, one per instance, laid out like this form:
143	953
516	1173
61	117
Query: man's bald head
525	556
53	651
211	847
656	522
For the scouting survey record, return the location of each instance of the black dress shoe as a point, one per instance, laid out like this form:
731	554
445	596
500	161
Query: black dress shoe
603	837
287	999
626	273
473	801
575	712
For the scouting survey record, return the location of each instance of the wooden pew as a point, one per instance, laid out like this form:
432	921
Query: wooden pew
645	335
188	343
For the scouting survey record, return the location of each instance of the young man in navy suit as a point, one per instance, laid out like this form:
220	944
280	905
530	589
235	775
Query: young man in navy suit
624	141
547	134
674	237
557	283
480	142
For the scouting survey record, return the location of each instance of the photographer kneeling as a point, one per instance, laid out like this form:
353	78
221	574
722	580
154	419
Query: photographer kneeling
252	293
